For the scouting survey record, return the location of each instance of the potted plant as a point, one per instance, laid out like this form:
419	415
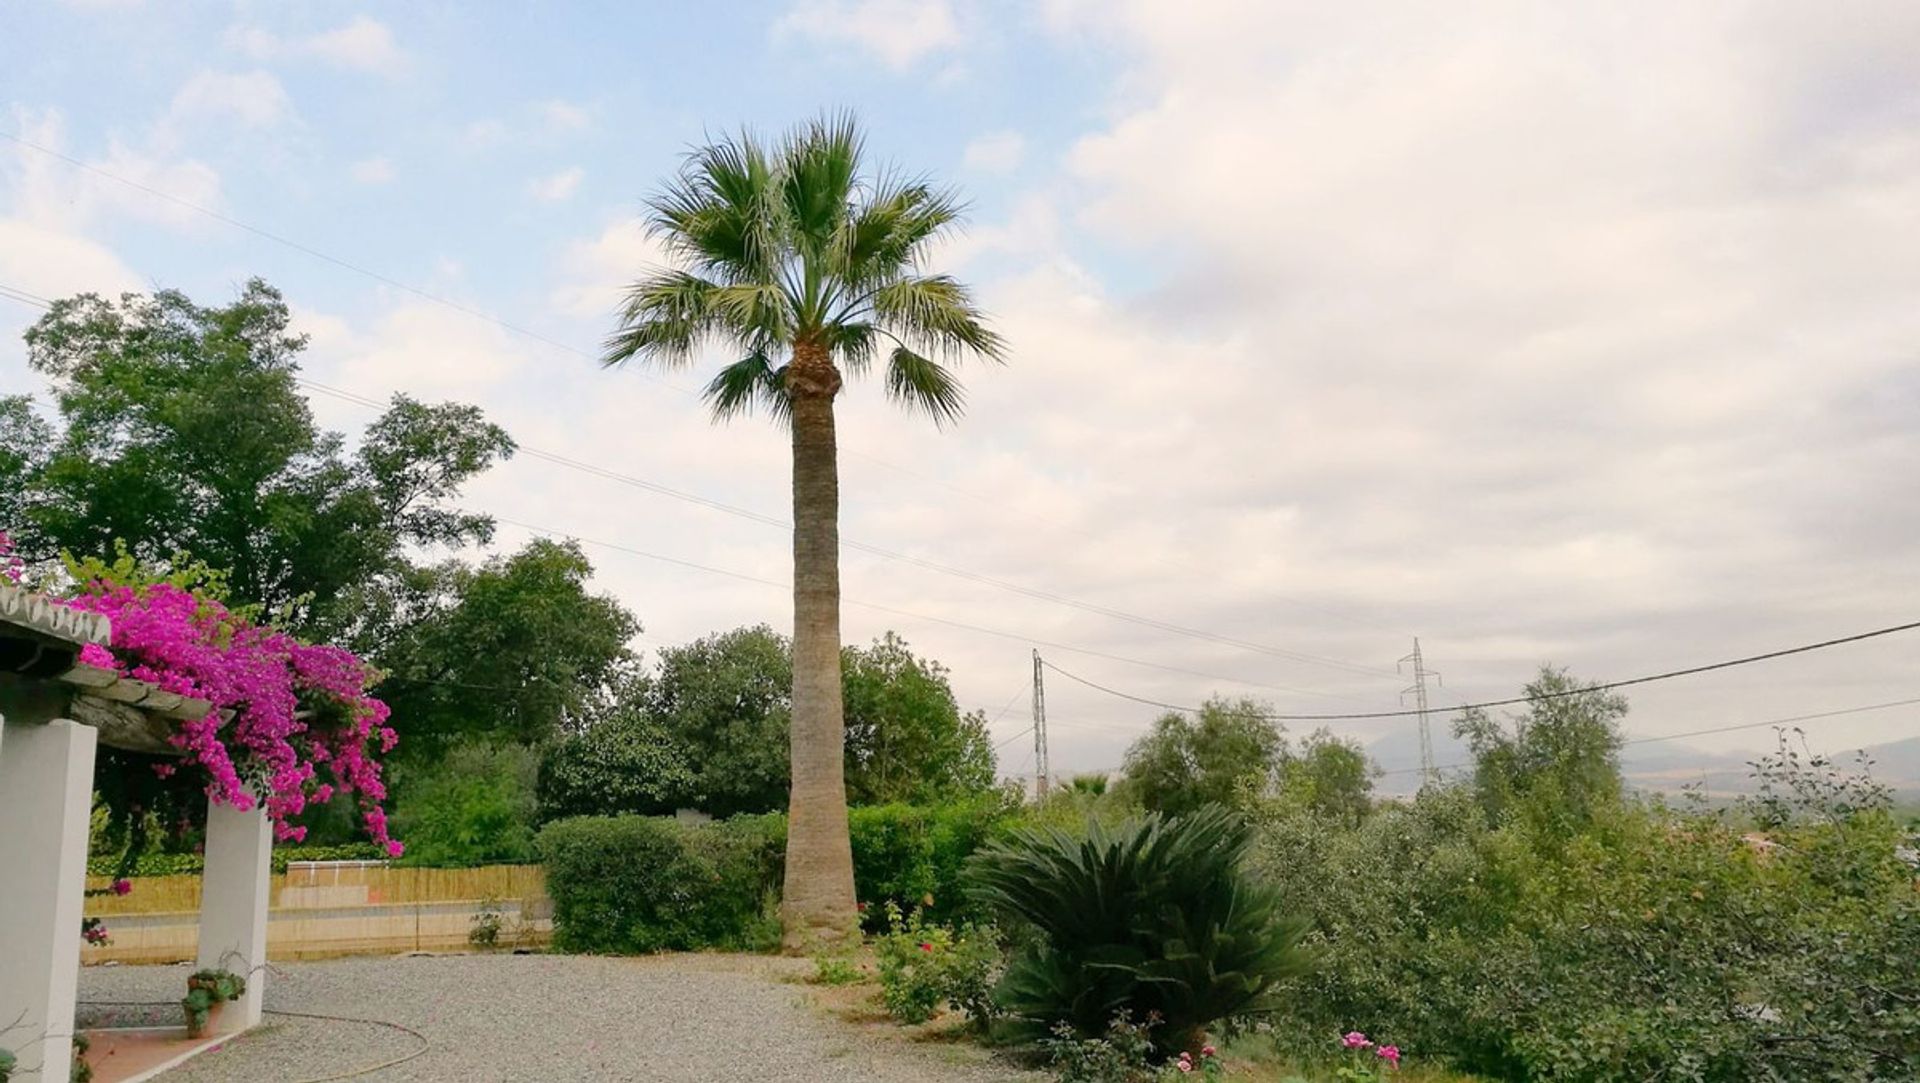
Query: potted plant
207	990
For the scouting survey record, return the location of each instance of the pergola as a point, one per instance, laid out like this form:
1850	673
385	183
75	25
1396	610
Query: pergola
54	712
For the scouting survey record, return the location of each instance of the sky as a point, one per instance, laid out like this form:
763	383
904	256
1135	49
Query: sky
1571	334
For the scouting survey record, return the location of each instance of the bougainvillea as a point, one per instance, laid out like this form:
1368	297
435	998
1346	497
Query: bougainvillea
291	723
11	567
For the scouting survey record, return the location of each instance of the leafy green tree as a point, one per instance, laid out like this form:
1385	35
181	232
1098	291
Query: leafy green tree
1330	775
622	762
1556	763
183	430
517	649
906	738
474	806
723	699
808	266
1226	754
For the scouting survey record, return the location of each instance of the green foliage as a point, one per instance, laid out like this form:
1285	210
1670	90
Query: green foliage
475	806
1560	763
906	738
724	702
1155	917
1330	775
638	884
182	429
8	1062
1124	1054
800	242
1645	942
724	699
915	856
516	649
1226	753
623	762
205	990
830	969
924	965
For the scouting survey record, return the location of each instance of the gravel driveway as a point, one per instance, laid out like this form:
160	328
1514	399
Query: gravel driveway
545	1018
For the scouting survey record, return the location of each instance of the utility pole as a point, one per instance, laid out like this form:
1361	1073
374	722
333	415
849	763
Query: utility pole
1419	693
1039	728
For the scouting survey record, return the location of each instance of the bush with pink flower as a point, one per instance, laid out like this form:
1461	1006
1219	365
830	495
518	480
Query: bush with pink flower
1366	1059
291	724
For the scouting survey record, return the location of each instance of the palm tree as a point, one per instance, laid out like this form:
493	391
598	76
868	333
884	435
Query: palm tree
806	269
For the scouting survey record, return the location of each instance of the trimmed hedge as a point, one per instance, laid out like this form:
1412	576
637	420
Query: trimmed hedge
908	854
638	884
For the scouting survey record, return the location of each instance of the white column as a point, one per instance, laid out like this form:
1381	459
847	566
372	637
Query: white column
46	793
233	907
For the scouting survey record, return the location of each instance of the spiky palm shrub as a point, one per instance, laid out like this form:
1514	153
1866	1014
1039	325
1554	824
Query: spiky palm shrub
1153	917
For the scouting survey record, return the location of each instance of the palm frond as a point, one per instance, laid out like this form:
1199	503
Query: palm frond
853	344
753	381
936	313
918	383
665	318
890	230
819	174
721	213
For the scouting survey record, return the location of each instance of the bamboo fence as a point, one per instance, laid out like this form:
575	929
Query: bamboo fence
333	908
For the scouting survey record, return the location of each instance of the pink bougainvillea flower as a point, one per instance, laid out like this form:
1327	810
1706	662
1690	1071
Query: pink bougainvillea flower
1353	1039
122	886
1390	1054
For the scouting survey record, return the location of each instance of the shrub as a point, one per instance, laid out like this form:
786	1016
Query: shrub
157	863
623	764
1650	943
473	807
636	884
206	990
1125	1054
1155	918
913	856
925	965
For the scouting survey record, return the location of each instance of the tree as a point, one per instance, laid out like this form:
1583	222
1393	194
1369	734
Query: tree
1230	752
1561	760
1329	775
183	430
810	269
906	738
517	649
623	762
724	700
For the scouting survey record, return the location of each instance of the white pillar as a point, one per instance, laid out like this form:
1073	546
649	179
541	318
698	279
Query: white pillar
233	907
46	794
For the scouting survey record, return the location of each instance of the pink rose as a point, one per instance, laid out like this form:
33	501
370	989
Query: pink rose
1355	1040
1390	1054
1208	1051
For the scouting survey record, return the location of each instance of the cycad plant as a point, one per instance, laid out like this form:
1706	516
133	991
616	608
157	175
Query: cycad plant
1155	917
804	268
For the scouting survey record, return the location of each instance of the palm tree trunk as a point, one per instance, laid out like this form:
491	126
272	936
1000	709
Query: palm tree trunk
817	902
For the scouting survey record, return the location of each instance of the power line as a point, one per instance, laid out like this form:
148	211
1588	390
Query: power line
908	558
1058	599
1717	729
1610	685
949	622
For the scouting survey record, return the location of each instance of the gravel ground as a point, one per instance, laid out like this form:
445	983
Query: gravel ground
544	1017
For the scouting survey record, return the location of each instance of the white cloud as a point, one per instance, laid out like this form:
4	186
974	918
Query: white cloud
253	99
372	171
556	187
595	271
480	134
898	32
997	152
362	43
565	116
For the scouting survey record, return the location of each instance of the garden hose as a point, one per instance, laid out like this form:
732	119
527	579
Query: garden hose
352	1074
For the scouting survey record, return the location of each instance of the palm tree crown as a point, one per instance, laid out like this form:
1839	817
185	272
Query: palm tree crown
789	253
